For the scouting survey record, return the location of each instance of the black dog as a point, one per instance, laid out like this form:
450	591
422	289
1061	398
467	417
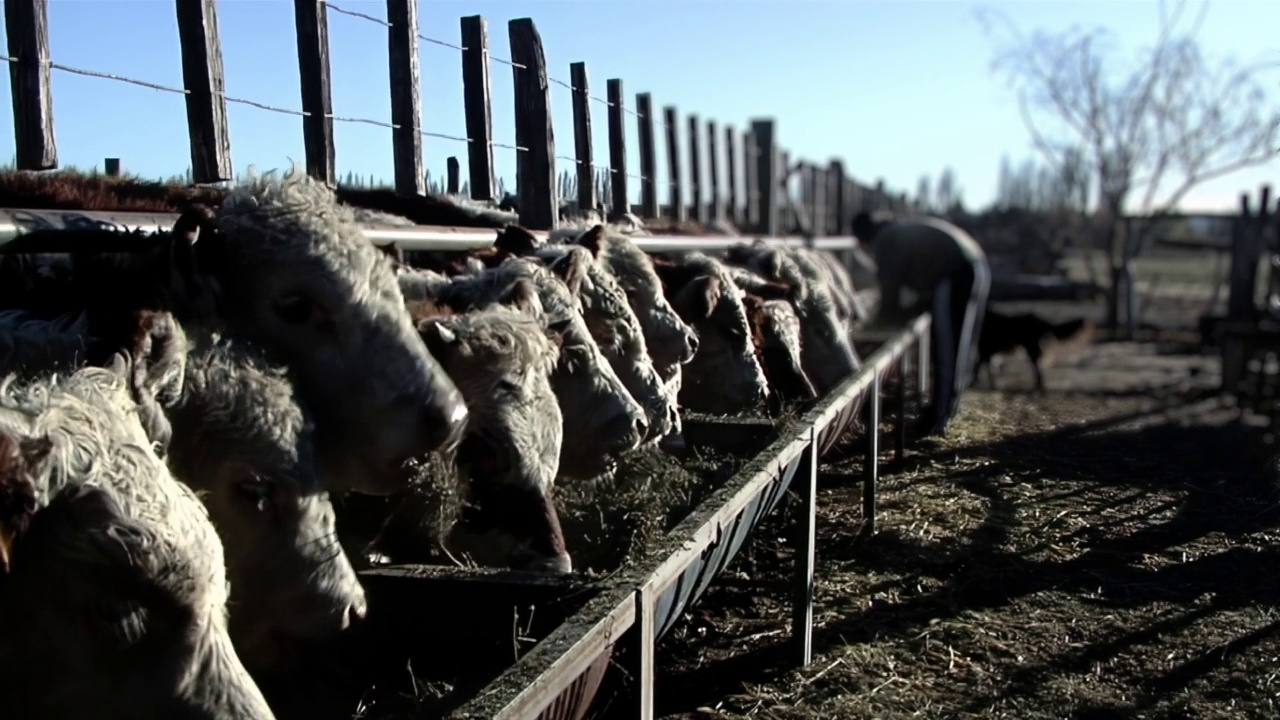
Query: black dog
1004	333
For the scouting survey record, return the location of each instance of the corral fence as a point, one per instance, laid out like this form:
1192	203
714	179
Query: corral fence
619	619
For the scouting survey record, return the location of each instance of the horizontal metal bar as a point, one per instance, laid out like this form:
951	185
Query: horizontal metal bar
14	222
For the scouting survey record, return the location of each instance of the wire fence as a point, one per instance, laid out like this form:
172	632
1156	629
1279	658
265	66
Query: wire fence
710	193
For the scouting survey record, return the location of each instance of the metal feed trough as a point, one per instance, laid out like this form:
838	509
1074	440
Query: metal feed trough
571	626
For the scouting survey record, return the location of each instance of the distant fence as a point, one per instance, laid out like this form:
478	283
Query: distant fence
752	160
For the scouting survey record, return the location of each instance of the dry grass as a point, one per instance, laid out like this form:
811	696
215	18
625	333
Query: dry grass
1101	551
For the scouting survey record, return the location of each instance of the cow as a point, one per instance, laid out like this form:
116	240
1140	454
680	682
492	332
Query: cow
601	419
242	438
826	347
775	330
283	264
609	318
114	601
724	375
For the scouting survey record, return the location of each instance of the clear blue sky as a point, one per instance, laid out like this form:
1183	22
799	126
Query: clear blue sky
896	88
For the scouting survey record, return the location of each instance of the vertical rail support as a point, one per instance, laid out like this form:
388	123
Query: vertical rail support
648	157
27	28
678	210
644	639
714	204
581	95
536	166
806	482
731	175
406	108
206	104
900	427
696	200
766	176
312	21
453	171
751	182
924	367
475	99
619	193
871	468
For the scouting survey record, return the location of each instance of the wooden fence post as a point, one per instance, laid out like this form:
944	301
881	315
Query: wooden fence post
752	217
313	74
27	28
695	172
731	174
782	192
475	99
678	210
619	197
203	79
648	157
536	166
713	172
839	199
817	201
453	171
582	136
406	110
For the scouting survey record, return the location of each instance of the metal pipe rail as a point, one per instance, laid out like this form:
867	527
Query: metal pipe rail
556	677
15	222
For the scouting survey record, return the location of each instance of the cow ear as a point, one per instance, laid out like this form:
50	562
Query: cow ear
774	291
593	240
440	339
159	356
522	296
516	240
704	295
17	490
556	331
570	268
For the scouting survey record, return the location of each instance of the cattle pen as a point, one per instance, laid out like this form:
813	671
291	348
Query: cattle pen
580	632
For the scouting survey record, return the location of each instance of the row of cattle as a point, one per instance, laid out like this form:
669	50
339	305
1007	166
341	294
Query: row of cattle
178	409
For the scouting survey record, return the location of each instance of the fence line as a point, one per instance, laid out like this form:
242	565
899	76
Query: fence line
829	197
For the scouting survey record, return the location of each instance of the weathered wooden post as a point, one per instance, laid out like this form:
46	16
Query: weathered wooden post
203	79
583	152
618	187
27	28
535	167
648	157
678	213
476	106
313	74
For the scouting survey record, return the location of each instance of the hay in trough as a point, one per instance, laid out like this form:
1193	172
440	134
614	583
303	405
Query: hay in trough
610	521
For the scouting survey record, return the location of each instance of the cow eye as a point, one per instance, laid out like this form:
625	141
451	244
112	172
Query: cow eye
295	309
256	491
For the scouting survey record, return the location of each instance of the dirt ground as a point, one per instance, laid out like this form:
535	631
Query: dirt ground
1107	549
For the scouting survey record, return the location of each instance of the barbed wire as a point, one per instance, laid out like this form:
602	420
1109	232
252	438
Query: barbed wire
660	121
254	103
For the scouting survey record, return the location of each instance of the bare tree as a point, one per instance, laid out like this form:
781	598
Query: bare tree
1150	133
924	200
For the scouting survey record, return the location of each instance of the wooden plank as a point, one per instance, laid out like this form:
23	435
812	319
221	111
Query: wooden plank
646	632
206	102
453	172
312	21
871	466
27	28
582	135
714	204
806	486
735	212
406	107
536	165
766	176
678	210
841	214
648	157
477	106
817	179
619	192
751	181
695	171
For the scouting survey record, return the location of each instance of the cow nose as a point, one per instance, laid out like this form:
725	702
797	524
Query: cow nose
356	613
693	345
641	426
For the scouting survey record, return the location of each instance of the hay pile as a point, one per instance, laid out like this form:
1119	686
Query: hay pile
610	521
